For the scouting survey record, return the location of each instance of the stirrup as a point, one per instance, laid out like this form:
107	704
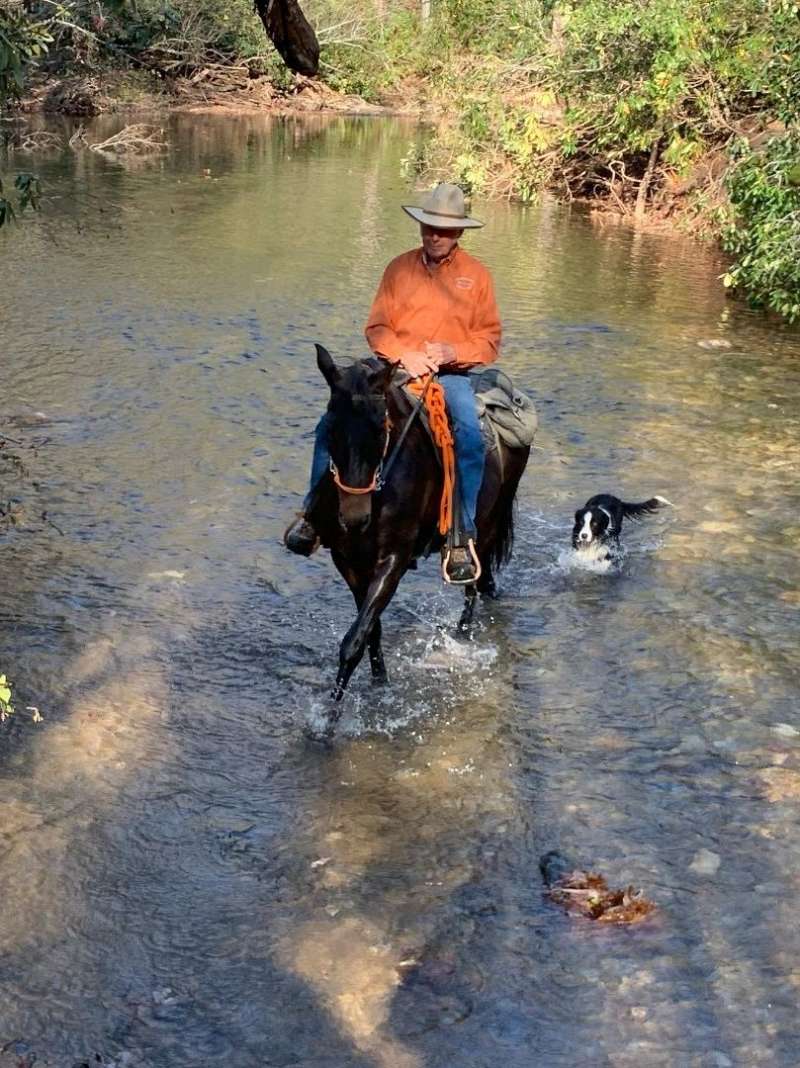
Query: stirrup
469	549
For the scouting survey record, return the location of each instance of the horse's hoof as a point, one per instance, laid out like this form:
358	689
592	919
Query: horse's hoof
337	693
323	739
380	678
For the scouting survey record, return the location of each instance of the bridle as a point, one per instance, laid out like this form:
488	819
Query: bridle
377	476
381	472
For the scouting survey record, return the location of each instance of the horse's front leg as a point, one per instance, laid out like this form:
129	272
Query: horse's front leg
379	592
376	661
470	596
358	587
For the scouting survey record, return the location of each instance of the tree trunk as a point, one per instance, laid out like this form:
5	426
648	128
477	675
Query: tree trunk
644	185
291	33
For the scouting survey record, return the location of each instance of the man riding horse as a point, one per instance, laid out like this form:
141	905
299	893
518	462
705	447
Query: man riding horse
434	313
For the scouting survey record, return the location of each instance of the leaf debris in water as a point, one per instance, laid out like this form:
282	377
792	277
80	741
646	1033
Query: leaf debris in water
588	893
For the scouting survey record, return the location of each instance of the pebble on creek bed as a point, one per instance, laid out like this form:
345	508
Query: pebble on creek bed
588	893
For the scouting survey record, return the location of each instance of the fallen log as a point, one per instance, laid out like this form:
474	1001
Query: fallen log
138	137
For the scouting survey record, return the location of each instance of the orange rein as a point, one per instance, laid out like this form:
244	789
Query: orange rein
376	482
443	436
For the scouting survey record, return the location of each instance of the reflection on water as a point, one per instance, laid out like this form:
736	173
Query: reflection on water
185	881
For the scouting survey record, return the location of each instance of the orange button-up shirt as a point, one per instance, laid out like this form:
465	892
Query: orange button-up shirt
452	303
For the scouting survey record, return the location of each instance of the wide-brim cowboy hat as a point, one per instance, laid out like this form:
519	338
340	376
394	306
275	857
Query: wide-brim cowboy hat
444	208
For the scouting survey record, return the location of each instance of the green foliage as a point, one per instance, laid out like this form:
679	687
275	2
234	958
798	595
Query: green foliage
677	71
780	76
513	29
618	97
763	231
192	31
6	708
28	195
23	41
364	53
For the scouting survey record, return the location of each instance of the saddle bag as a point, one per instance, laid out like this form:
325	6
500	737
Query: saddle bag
510	411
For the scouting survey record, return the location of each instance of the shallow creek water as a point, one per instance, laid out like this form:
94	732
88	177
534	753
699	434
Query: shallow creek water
184	881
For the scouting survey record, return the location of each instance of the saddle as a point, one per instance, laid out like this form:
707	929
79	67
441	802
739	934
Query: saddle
505	413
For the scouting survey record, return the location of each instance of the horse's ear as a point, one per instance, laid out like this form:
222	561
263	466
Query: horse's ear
381	378
330	371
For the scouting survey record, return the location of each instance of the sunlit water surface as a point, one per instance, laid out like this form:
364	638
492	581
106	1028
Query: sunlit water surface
184	881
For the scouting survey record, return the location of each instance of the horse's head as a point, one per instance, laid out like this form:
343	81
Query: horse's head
358	432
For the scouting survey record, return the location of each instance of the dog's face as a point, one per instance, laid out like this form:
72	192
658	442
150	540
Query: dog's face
592	527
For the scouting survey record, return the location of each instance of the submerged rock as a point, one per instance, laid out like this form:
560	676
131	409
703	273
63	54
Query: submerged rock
714	343
785	730
781	784
705	862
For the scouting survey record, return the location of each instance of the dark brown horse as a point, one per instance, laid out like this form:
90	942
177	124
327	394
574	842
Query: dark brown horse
376	534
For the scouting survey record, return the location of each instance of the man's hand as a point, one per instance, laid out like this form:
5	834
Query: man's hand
441	351
419	363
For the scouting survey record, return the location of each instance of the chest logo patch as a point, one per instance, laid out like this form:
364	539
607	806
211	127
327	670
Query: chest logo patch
464	283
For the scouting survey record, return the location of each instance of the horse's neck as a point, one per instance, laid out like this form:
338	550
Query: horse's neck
398	406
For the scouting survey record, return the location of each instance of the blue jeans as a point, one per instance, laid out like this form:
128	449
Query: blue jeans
470	451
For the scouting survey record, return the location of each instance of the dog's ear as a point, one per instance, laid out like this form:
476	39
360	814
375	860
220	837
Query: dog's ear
330	371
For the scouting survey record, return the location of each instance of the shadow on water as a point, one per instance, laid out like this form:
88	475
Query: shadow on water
383	893
185	881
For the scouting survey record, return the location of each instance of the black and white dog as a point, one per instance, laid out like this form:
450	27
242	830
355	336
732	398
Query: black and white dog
599	522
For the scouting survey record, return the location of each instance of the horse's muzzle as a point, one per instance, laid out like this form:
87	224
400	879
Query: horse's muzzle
355	513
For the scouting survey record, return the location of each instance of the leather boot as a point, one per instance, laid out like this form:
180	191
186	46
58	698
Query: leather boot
460	565
300	537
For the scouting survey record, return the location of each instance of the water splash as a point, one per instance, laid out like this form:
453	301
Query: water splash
596	558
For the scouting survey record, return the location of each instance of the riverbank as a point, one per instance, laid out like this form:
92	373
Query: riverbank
210	90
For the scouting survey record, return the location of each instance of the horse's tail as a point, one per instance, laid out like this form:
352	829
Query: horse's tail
503	543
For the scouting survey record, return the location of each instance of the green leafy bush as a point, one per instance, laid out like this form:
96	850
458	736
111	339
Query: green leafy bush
28	193
23	41
6	708
365	53
763	231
